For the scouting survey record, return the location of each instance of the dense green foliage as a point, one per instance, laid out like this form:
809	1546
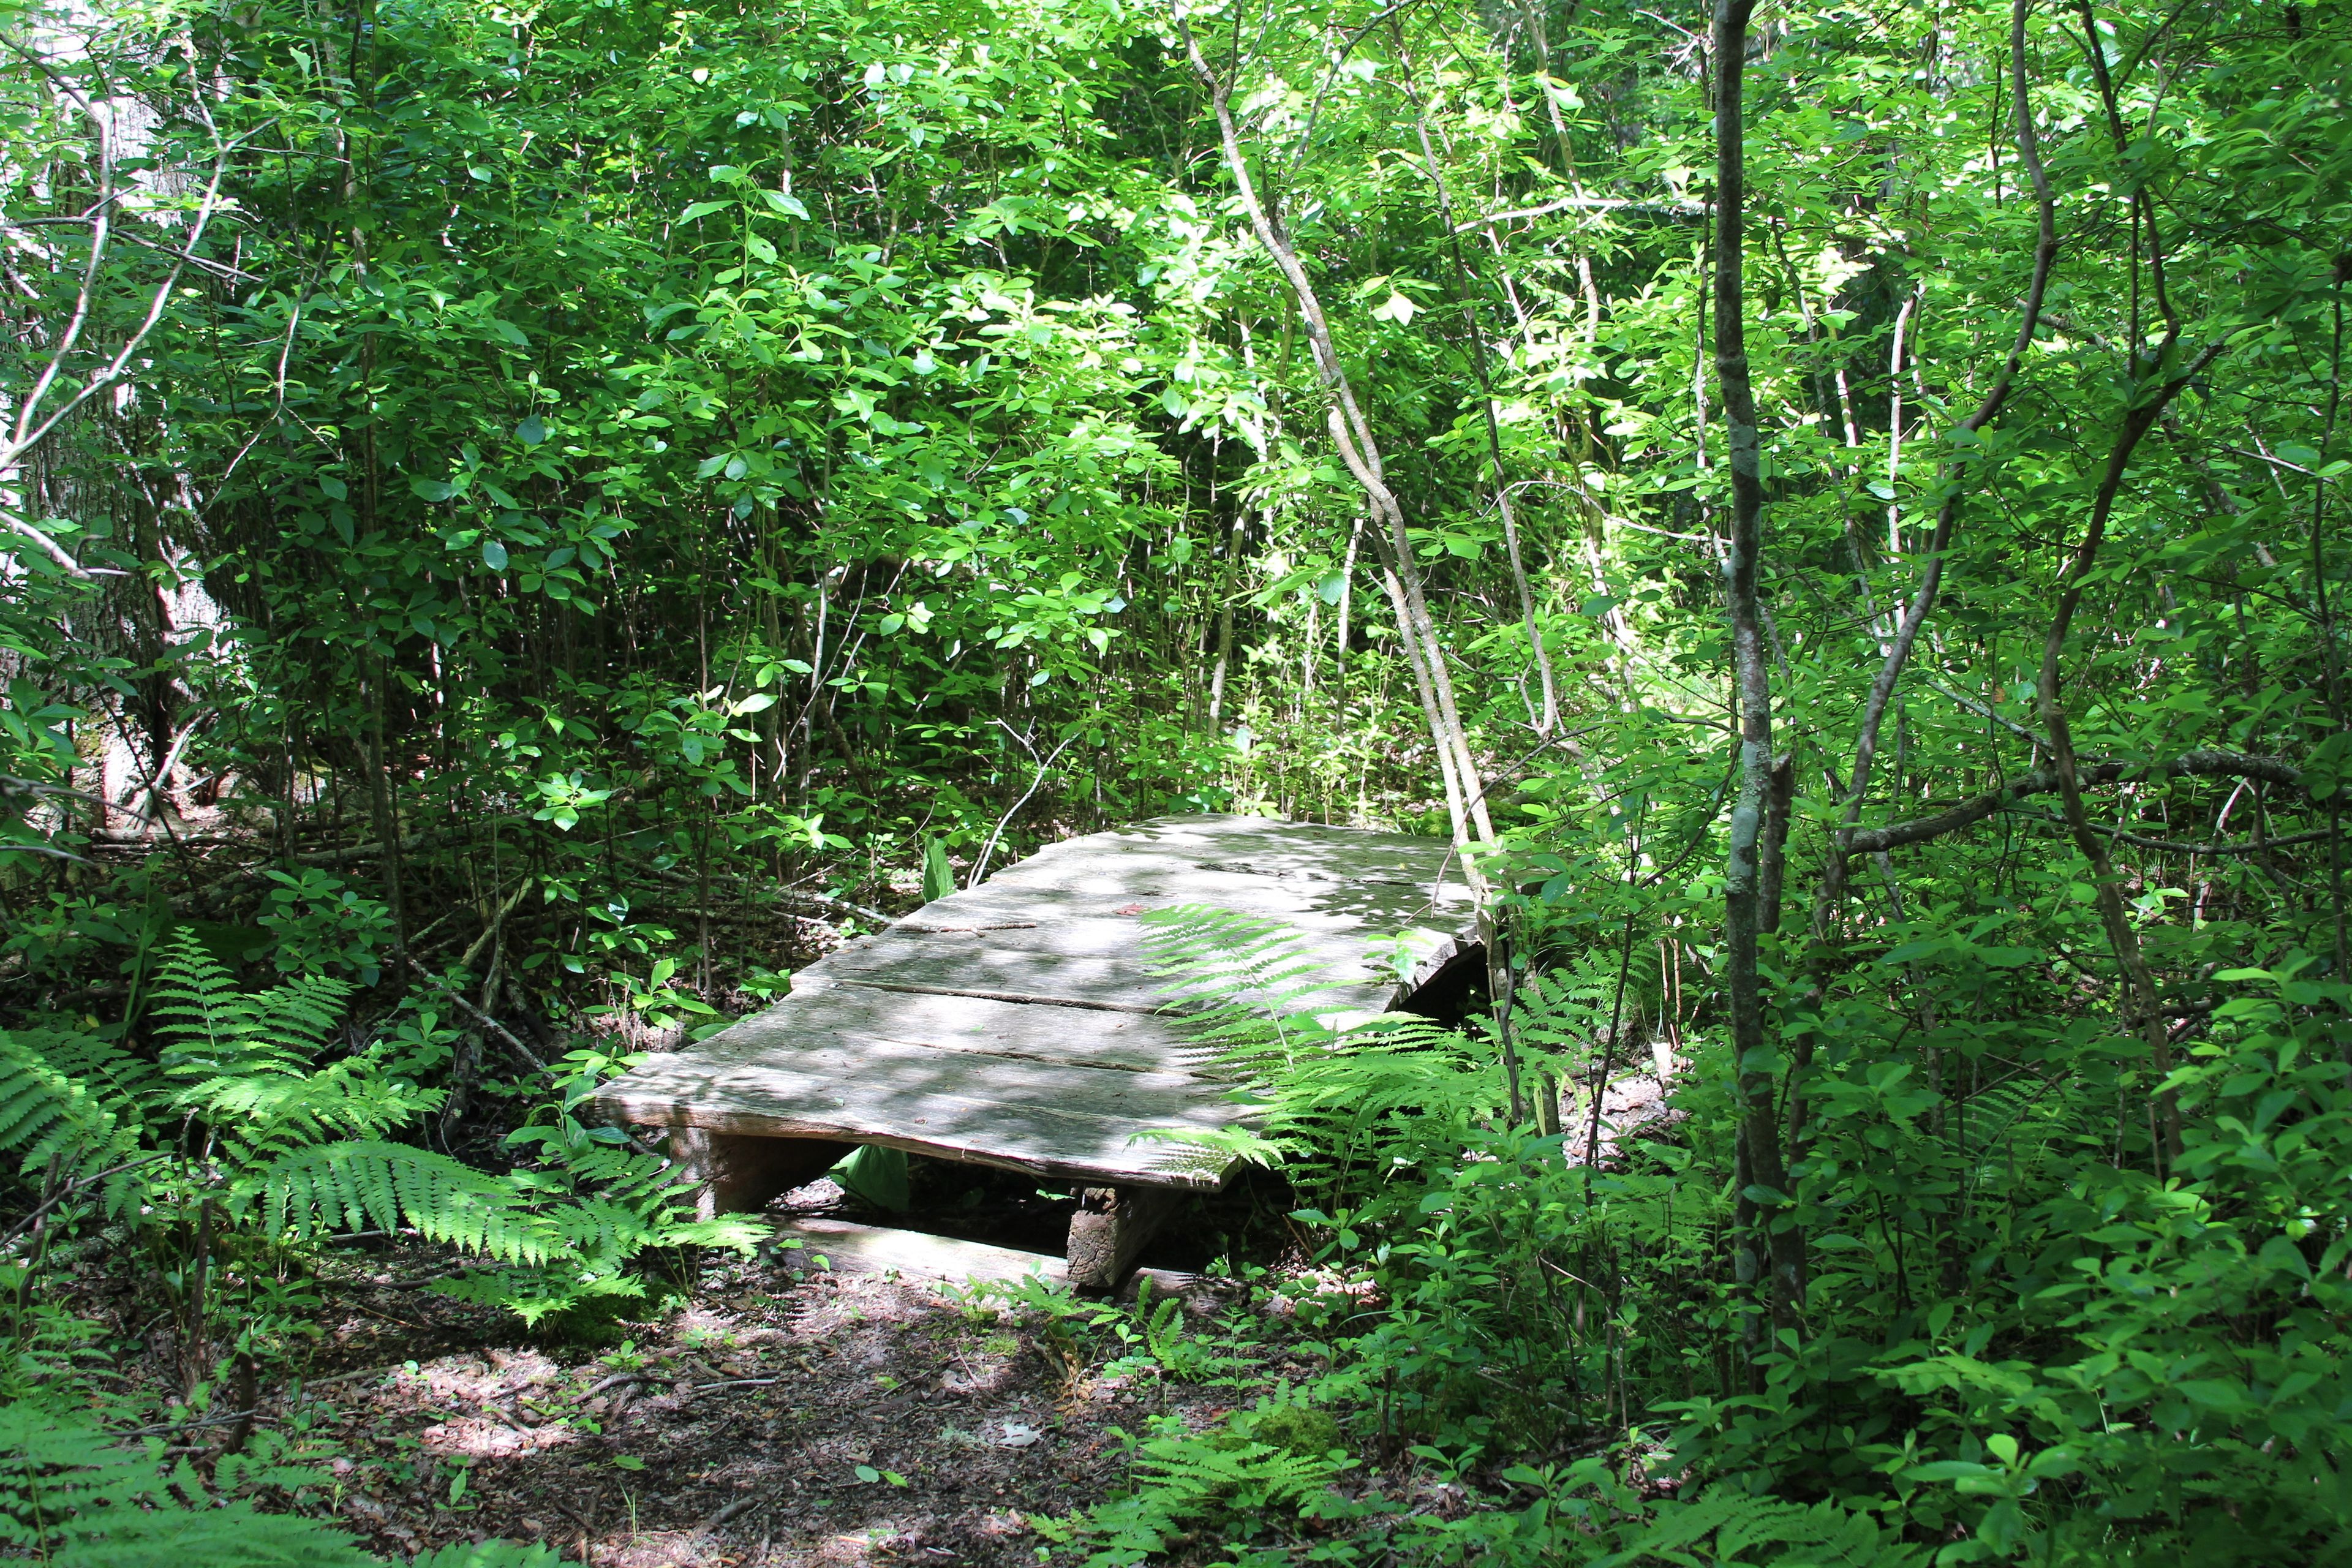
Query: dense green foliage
544	506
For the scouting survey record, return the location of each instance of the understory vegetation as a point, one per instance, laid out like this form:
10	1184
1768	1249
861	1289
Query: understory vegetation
526	523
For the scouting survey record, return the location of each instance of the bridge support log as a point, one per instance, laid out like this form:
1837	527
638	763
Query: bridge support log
1109	1230
735	1173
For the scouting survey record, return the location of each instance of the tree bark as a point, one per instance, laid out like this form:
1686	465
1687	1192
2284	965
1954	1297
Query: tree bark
1769	1229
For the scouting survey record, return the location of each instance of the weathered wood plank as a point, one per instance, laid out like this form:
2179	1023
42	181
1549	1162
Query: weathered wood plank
1113	981
850	1249
1087	949
1014	1024
737	1175
1095	1120
1010	913
1069	1120
983	1026
912	1069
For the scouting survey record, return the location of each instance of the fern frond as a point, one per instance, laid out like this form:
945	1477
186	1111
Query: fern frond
56	1120
735	1233
72	1495
2020	1129
1323	1093
600	1229
532	1294
1237	973
203	1015
213	1030
360	1184
112	1073
283	1110
1731	1527
644	1182
248	1061
1245	1474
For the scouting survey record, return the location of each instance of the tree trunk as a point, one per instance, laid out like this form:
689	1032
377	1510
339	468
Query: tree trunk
1769	1227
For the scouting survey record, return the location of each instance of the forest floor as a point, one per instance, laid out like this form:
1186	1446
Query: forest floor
774	1413
741	1431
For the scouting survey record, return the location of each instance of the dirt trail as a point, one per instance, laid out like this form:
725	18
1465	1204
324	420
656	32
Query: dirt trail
779	1419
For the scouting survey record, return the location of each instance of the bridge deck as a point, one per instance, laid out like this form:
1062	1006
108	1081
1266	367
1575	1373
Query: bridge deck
1013	1023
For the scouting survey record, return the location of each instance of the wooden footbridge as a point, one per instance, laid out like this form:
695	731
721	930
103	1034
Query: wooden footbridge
1013	1024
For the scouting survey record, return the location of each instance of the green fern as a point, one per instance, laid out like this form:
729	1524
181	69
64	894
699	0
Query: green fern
1184	1478
1321	1095
303	1148
216	1030
577	1161
358	1184
112	1073
248	1064
270	1111
2017	1131
73	1497
65	1129
1561	1016
598	1227
1246	1475
535	1294
1247	984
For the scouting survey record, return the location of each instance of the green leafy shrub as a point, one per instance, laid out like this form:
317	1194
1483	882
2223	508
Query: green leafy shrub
324	926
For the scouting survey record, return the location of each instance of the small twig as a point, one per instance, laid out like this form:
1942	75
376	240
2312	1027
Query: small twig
49	849
487	1408
2266	458
789	895
1583	203
72	1187
228	1420
1513	770
1982	711
2244	846
312	1384
10	784
619	1378
980	867
497	923
481	1018
2177	1010
735	1510
826	901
